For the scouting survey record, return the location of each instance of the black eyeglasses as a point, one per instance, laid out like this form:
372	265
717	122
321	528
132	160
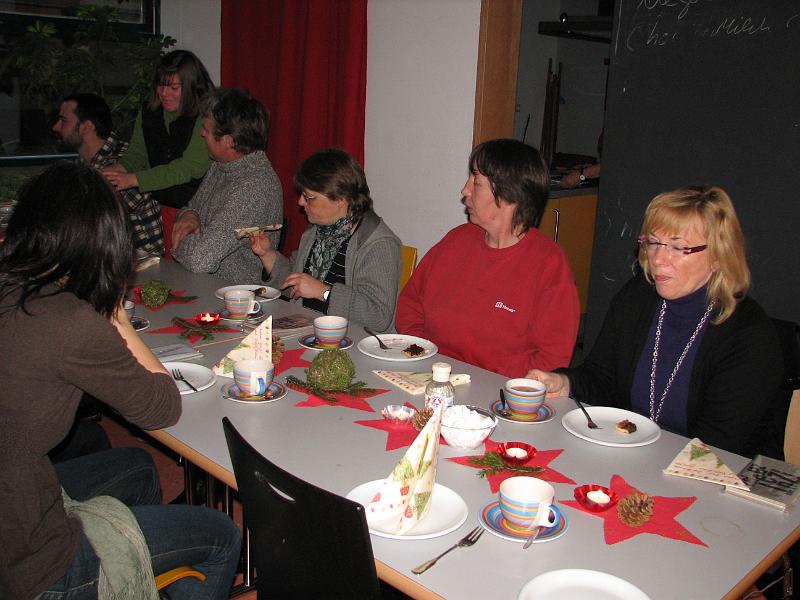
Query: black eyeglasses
651	246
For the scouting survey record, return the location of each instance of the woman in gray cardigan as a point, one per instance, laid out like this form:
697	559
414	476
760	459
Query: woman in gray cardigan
348	262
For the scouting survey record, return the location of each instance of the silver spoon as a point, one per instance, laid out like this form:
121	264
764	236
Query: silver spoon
375	335
502	410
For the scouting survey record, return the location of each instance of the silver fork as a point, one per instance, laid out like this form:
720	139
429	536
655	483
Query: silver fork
375	335
176	374
589	422
464	542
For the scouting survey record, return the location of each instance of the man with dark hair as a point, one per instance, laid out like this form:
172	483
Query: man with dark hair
84	125
239	190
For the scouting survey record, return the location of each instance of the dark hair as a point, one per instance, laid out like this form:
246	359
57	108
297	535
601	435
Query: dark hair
336	174
236	113
195	82
91	107
517	174
68	230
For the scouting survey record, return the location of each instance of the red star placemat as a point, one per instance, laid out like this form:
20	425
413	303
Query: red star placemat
398	436
662	522
291	359
192	338
175	297
345	400
542	458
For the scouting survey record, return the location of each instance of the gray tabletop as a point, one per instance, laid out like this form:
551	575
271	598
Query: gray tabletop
325	446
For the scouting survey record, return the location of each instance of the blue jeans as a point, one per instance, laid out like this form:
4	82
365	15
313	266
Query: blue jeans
176	535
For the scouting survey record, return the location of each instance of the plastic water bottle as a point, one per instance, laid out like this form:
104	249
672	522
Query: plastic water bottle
439	389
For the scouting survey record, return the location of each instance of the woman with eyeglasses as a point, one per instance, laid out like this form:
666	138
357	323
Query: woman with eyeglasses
348	262
682	343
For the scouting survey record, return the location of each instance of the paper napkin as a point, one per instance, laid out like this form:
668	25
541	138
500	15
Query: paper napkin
414	382
257	345
404	497
697	461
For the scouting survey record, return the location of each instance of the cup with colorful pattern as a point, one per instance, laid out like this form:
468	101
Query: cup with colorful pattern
524	398
329	331
241	303
253	377
130	309
527	502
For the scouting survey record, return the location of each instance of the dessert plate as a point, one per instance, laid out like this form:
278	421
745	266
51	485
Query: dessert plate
310	342
199	376
397	342
579	584
139	323
491	518
545	414
268	296
607	418
275	391
447	513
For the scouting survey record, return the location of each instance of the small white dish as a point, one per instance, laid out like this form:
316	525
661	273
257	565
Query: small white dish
199	376
579	584
447	513
396	342
268	296
607	418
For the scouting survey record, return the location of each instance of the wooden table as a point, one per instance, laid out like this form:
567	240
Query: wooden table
325	446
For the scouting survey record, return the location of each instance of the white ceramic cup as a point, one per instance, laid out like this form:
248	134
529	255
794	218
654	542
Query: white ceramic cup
253	377
527	502
130	309
241	303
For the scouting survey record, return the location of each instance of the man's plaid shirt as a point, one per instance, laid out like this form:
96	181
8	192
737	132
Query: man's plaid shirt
144	210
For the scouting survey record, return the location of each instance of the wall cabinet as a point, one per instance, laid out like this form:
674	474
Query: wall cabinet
569	221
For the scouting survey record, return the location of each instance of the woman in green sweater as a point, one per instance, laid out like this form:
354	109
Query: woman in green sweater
167	156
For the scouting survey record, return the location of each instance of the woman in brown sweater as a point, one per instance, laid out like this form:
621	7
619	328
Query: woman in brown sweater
64	267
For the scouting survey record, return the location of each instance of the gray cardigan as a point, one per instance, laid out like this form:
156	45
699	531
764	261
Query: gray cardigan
372	273
242	193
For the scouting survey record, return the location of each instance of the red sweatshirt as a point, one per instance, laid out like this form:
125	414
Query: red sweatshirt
507	310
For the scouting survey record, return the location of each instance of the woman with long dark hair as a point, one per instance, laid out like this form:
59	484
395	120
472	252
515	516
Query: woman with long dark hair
64	268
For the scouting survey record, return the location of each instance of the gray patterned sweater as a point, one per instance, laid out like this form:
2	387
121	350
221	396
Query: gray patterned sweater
242	193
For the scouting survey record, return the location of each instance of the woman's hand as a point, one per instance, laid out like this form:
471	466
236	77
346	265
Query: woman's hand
557	384
119	177
305	286
261	246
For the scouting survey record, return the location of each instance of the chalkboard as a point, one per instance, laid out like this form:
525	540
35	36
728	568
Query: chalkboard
703	91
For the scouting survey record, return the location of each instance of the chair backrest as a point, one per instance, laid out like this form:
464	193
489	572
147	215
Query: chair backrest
307	542
409	263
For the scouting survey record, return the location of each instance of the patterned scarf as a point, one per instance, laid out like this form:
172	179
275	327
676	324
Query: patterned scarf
326	245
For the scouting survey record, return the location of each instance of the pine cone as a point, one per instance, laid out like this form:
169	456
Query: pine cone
277	349
421	418
635	510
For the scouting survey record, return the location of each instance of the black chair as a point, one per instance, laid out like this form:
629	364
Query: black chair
307	542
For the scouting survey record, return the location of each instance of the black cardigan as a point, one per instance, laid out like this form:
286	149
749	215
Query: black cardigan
735	375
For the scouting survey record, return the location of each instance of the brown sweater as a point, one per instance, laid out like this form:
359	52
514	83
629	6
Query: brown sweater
47	359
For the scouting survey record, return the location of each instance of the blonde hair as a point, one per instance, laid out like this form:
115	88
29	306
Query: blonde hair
673	212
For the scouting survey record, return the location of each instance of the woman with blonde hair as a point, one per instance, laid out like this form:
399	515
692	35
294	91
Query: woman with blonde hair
682	343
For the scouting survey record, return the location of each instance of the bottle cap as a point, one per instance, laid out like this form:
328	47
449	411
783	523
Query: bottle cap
441	371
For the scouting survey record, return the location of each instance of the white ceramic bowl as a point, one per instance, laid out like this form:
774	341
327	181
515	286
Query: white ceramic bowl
469	435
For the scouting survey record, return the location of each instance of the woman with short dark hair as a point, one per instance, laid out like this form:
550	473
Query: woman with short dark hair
64	268
682	343
348	262
495	292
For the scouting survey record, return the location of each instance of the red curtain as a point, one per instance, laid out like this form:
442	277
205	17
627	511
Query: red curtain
306	60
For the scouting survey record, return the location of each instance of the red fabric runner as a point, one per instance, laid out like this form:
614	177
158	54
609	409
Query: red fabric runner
662	522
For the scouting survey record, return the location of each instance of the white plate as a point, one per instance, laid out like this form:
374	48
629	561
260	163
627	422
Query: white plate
447	513
200	376
607	418
396	342
580	584
270	295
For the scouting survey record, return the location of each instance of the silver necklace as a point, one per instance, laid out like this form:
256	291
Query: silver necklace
655	411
